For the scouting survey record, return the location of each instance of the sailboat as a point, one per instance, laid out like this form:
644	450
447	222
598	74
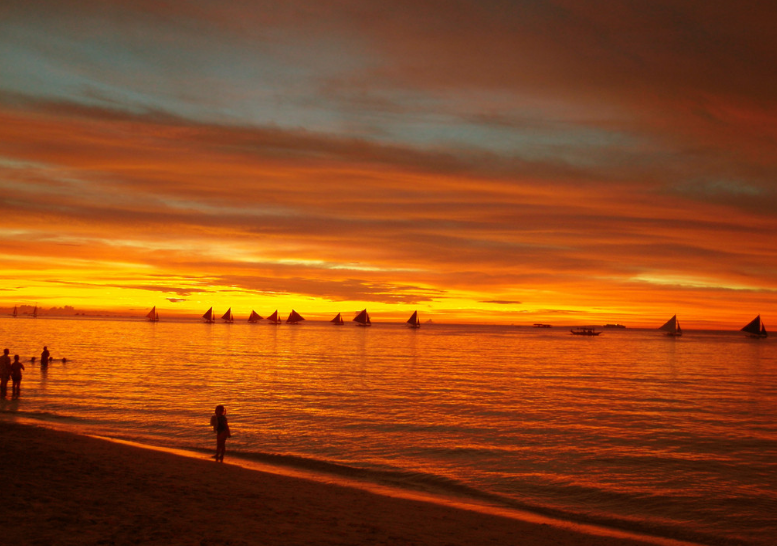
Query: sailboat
362	319
227	317
208	316
35	311
338	320
672	327
254	317
15	312
413	321
274	319
294	318
152	315
756	328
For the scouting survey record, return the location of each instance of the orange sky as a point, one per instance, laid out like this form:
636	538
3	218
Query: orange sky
508	162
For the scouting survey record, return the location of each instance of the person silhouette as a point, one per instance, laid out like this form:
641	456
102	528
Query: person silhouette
16	376
221	428
5	373
44	357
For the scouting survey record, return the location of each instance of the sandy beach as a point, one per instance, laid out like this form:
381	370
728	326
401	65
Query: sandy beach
61	488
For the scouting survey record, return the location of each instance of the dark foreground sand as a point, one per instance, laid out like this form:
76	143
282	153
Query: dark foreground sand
59	488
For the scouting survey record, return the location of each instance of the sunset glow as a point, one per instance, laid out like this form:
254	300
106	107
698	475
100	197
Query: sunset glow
502	162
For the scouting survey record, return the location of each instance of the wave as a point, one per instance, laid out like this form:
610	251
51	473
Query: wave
436	488
426	486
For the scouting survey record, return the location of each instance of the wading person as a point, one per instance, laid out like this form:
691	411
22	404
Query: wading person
16	376
44	357
5	373
221	427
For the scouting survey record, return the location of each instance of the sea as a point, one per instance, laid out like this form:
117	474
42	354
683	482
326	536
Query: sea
630	430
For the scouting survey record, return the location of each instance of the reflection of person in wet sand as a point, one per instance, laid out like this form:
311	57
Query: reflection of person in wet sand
221	427
44	357
16	376
5	373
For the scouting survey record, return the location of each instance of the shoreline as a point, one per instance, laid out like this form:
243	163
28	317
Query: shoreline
67	488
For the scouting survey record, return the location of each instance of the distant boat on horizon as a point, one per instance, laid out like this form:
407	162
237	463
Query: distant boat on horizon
338	320
541	325
208	316
294	318
227	317
35	311
15	312
254	317
152	315
672	327
413	321
274	319
363	319
584	331
756	328
614	326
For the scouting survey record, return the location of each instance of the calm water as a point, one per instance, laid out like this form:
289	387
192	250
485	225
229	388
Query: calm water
673	437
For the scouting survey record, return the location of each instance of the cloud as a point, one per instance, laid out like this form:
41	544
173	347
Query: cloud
353	152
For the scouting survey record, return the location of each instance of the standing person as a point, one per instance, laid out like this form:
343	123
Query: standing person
16	376
44	357
5	373
221	427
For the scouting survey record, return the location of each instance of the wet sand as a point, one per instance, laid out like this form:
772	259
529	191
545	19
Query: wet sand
60	488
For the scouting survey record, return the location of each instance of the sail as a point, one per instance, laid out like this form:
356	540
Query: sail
227	317
208	316
754	327
274	318
363	318
35	312
671	325
254	317
337	320
294	317
151	314
413	320
15	312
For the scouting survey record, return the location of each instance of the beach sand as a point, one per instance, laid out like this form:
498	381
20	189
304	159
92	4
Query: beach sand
60	488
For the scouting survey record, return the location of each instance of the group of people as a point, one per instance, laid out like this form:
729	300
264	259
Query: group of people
13	371
10	370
